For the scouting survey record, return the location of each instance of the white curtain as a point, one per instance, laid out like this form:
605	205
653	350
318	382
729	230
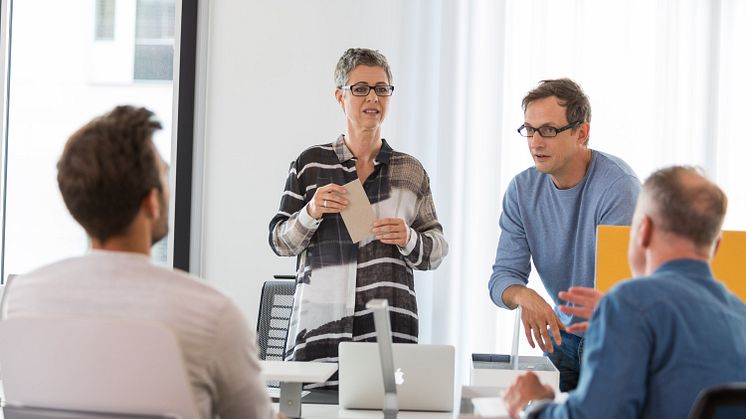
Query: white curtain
666	83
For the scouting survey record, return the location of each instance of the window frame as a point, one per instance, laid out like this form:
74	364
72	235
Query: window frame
182	144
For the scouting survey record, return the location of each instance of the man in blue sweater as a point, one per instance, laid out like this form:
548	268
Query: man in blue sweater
655	342
550	214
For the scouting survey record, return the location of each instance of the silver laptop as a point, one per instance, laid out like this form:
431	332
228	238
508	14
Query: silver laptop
423	373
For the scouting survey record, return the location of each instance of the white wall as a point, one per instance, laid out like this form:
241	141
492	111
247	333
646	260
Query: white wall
460	69
269	96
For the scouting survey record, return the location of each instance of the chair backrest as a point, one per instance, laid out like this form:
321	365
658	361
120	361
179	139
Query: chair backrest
109	366
274	317
720	402
26	412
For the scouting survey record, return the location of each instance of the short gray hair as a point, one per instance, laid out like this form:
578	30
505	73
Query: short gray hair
692	209
354	57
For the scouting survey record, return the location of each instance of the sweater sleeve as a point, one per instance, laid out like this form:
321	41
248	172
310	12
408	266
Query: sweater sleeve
513	257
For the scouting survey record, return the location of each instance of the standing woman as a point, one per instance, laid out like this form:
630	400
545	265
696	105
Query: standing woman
335	277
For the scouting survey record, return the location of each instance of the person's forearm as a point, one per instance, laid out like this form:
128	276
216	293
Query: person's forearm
291	236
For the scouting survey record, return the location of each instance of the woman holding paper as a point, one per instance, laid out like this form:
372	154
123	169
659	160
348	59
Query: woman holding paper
332	193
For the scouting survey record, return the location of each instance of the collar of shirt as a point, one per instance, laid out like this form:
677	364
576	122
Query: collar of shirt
344	154
686	267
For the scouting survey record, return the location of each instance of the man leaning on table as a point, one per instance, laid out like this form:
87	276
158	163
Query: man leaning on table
113	181
655	342
550	214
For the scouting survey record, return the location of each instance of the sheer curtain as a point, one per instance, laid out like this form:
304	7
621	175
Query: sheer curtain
666	84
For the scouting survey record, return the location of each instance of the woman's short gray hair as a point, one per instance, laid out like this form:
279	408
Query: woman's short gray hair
354	57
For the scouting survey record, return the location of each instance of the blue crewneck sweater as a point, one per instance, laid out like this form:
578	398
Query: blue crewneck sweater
556	228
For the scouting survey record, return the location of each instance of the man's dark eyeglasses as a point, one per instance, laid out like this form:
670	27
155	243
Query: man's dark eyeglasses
545	131
362	89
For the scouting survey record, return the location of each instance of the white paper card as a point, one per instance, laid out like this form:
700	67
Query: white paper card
358	216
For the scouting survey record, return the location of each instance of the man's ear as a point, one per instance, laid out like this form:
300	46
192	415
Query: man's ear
645	236
584	130
716	246
152	204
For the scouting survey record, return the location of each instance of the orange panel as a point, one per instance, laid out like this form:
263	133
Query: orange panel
611	259
728	264
611	256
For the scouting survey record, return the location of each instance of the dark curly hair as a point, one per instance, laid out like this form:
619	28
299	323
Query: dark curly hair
107	168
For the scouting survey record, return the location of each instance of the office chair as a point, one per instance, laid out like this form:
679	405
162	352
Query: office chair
274	317
25	412
92	368
723	401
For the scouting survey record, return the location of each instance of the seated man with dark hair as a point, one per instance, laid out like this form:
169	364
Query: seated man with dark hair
655	342
113	181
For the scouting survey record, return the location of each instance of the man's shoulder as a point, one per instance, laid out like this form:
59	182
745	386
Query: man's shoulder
647	291
96	269
612	168
528	183
528	178
194	289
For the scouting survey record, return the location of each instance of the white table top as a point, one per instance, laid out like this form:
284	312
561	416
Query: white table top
297	372
327	411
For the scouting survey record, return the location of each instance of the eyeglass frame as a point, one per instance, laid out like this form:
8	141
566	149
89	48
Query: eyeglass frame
556	130
373	88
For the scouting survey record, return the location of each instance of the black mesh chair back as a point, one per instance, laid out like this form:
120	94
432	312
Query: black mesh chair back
274	317
724	401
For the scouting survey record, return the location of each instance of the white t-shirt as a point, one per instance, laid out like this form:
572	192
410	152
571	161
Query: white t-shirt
218	347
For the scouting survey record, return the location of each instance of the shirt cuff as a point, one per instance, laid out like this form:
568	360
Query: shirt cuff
406	250
499	288
306	220
534	408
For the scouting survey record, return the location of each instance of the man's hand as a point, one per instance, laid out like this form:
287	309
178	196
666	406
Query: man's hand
326	200
526	387
537	317
585	301
391	231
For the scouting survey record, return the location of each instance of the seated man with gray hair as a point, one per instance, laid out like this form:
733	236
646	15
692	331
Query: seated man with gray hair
655	342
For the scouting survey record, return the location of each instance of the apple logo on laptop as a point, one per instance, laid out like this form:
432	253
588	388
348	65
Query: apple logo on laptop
399	376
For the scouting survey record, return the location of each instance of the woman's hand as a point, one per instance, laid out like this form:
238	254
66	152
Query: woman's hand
391	231
328	199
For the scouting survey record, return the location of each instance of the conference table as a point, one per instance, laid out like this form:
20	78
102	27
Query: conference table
320	404
324	404
327	411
